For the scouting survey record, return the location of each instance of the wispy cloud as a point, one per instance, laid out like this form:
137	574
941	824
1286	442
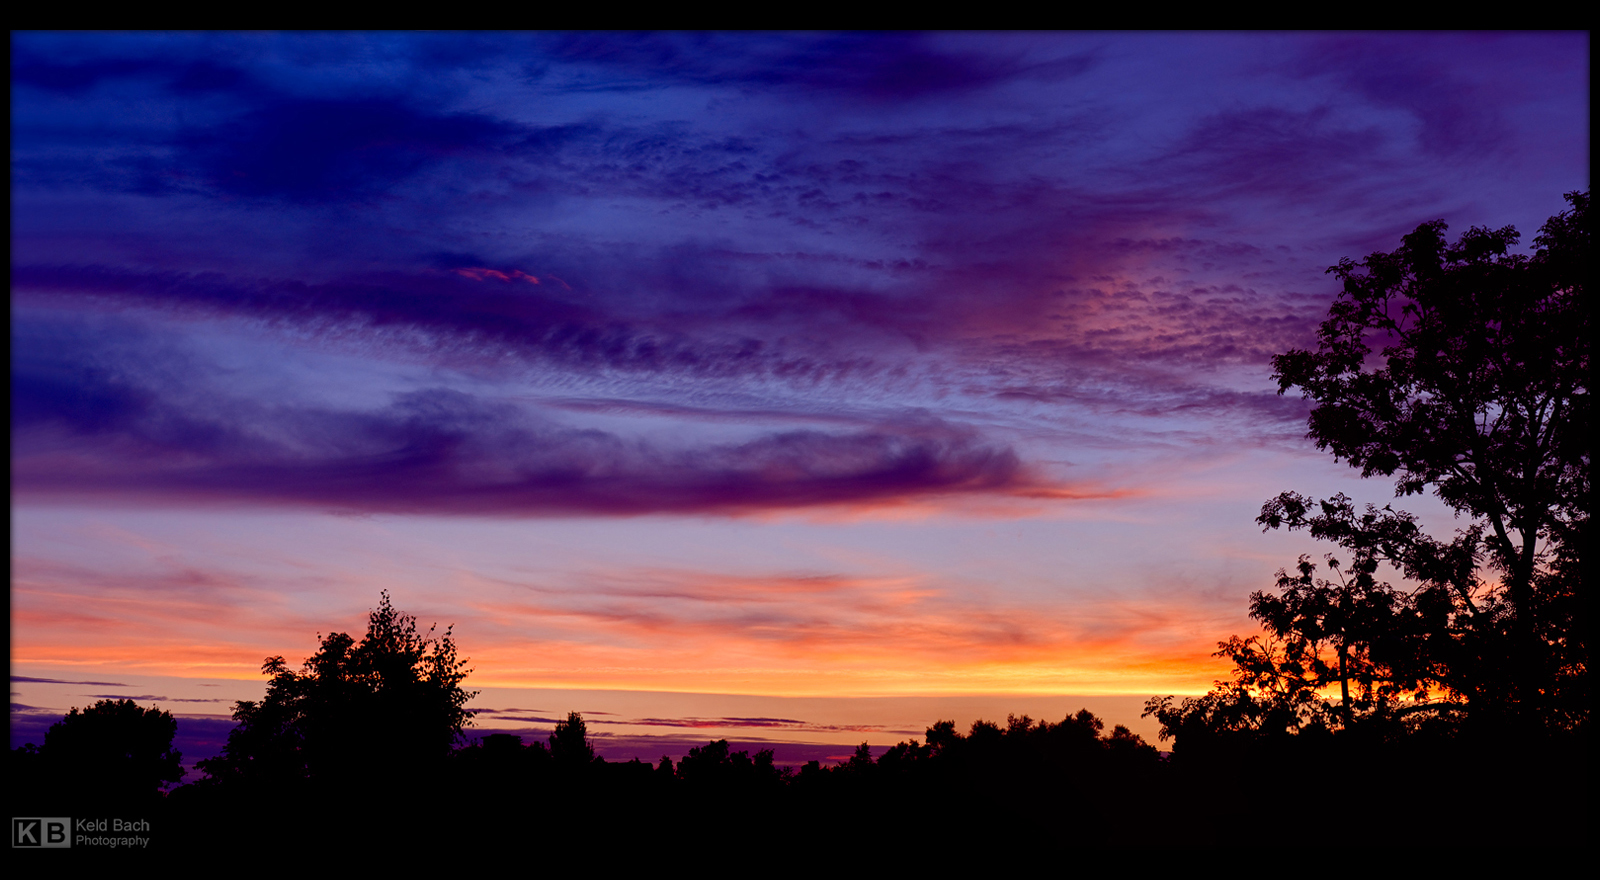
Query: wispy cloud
33	680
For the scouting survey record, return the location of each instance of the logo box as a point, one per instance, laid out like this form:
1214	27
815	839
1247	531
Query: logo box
41	833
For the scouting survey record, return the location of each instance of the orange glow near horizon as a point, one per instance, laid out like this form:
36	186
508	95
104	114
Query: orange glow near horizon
1180	674
670	632
1078	600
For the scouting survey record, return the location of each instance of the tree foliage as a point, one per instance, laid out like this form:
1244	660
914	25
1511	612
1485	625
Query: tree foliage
1460	368
114	748
355	711
569	742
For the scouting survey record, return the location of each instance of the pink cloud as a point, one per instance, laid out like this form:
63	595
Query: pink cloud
481	273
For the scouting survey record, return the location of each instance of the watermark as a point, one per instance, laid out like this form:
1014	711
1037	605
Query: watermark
33	832
41	833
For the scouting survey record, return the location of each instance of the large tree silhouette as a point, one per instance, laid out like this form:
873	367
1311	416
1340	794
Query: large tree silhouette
1461	369
358	714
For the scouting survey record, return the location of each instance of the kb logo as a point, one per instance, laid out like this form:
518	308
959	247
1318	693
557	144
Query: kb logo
45	833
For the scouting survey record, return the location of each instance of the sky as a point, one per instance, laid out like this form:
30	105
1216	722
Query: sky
797	389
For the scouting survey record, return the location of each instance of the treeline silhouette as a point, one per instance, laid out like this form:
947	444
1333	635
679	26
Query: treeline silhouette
366	743
1067	780
369	735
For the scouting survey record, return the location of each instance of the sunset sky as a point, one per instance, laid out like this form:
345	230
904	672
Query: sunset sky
794	389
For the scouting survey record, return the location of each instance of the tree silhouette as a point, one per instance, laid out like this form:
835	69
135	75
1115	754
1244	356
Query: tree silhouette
357	713
569	743
1462	369
716	768
114	751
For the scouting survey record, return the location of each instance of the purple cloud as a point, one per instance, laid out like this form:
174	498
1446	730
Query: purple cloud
85	422
28	678
806	239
